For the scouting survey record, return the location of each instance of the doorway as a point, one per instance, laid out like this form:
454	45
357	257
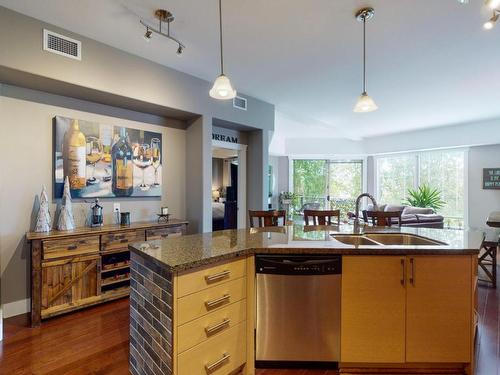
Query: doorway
228	186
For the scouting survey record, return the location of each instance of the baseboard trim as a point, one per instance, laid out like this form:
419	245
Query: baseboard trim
11	309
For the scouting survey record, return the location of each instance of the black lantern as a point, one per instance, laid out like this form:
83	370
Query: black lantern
96	214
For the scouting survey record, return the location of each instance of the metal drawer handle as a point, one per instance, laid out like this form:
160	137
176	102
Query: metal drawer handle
72	247
120	237
403	271
217	301
412	271
164	235
124	240
217	276
217	327
211	367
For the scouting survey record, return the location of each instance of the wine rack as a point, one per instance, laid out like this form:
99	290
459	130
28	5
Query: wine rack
115	271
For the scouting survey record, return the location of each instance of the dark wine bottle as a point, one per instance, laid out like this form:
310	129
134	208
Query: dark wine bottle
122	183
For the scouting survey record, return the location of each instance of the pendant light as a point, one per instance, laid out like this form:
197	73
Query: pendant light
365	103
222	88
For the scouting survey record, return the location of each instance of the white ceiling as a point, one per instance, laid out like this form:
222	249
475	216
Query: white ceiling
430	63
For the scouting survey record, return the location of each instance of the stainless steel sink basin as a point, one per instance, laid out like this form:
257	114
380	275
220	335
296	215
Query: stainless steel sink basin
354	240
401	239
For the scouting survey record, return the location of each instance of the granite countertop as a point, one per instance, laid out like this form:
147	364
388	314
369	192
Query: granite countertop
188	252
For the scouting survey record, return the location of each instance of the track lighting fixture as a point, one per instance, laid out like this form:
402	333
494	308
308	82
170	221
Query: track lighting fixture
222	88
148	34
490	24
163	16
365	103
493	4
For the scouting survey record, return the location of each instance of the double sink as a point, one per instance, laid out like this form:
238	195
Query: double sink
385	239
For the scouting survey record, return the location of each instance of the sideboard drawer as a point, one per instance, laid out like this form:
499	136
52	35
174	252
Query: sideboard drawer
120	240
210	325
165	232
192	282
220	355
70	247
212	299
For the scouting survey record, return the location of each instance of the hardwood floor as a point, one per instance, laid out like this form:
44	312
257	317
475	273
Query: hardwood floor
95	341
91	341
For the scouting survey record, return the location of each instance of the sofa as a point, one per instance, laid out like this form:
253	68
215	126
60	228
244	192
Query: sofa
410	216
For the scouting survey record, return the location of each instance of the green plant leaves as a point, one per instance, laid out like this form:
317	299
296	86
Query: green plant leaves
426	197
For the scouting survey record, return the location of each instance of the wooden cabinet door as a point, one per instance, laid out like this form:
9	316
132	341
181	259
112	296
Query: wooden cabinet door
373	309
68	282
438	311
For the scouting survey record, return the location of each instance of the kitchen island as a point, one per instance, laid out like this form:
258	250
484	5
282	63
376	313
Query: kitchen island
407	302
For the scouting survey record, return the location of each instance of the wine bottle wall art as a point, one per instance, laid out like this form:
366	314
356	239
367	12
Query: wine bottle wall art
106	161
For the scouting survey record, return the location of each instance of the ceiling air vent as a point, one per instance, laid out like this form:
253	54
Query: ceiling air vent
240	103
62	45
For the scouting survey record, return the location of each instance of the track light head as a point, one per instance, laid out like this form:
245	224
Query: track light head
180	49
147	36
490	24
493	4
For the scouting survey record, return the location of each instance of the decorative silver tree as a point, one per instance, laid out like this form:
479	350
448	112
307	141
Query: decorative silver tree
43	219
66	220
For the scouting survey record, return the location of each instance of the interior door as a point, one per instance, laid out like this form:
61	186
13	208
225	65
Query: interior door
373	309
439	308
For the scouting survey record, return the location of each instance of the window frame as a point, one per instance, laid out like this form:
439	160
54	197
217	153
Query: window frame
417	155
363	159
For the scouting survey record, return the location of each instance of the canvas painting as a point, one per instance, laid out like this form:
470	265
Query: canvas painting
106	161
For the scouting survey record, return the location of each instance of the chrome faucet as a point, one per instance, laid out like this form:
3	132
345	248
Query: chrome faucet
358	200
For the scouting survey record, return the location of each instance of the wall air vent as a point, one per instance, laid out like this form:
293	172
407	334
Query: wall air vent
240	103
62	45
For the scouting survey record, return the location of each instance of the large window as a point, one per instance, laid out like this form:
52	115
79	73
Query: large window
327	184
442	170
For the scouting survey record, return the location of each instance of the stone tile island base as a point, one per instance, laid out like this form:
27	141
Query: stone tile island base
150	318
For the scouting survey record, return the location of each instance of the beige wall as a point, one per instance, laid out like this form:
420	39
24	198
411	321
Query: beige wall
26	145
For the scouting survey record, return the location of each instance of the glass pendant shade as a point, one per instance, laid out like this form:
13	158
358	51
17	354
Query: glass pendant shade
365	104
222	89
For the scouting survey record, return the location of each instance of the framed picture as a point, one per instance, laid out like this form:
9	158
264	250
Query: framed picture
106	161
491	178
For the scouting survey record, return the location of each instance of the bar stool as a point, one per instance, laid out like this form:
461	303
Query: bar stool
320	217
382	218
487	260
267	218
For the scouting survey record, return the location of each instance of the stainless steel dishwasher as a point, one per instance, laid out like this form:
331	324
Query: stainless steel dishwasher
298	310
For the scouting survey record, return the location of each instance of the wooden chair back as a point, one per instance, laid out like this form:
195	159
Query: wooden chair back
382	218
267	218
320	217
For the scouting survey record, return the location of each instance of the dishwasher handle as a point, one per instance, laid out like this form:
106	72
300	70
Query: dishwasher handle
299	265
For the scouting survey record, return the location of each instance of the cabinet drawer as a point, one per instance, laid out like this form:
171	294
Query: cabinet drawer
212	299
207	277
211	325
220	355
120	240
165	232
70	246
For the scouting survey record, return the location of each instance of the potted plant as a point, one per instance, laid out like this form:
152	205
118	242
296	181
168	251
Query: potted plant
426	197
287	197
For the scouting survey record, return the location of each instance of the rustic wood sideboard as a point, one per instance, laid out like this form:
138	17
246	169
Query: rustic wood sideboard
74	269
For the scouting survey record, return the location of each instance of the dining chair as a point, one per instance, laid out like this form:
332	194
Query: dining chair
267	218
382	218
321	217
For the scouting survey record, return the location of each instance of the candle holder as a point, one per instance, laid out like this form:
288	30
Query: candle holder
163	218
